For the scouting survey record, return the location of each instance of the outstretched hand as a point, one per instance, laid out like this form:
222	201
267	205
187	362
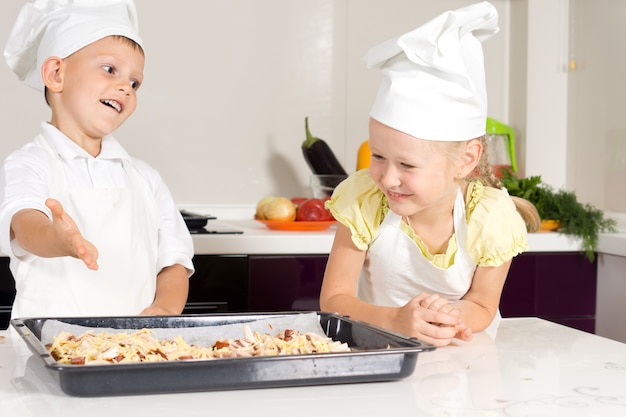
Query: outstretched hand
72	241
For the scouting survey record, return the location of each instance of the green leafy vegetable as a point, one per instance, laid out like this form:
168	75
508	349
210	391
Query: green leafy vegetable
581	220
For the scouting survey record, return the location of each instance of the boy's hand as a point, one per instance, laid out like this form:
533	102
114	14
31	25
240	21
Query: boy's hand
72	240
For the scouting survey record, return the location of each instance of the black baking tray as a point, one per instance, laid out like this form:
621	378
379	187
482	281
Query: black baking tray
377	355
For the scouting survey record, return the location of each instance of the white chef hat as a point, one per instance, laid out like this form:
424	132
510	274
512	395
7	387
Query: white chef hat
46	28
433	84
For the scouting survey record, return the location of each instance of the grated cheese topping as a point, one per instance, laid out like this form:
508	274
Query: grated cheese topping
144	346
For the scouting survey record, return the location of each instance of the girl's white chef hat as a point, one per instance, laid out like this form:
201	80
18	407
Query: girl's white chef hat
46	28
433	84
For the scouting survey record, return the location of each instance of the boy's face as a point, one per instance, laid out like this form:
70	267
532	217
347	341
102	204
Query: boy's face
99	91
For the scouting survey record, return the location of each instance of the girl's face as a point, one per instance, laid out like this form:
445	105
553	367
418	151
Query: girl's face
99	90
413	173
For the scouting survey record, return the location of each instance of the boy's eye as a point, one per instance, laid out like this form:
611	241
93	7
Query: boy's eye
134	84
108	68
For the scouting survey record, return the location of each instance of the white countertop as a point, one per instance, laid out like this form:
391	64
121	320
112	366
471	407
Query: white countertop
612	244
257	239
533	368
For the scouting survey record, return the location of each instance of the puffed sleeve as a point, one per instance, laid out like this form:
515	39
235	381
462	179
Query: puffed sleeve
495	230
358	204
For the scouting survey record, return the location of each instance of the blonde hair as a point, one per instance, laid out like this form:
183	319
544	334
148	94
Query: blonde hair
484	173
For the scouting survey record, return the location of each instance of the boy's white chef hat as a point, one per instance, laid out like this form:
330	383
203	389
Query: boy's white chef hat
433	84
46	28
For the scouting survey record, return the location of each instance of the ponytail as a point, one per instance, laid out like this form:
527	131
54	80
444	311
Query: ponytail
484	173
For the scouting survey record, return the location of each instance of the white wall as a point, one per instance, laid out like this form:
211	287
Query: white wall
597	129
610	307
228	84
547	90
574	129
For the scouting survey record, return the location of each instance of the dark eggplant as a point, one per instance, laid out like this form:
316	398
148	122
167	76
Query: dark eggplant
319	156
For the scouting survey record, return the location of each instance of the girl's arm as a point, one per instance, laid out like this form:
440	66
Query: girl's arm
480	304
339	290
172	290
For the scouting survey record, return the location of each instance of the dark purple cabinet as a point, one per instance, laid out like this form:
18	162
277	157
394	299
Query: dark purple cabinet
556	286
220	284
282	283
7	292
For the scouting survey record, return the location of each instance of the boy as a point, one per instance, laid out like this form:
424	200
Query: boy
89	229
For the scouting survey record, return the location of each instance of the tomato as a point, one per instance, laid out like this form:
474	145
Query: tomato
298	200
313	210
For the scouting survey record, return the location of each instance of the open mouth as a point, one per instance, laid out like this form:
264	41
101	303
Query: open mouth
113	104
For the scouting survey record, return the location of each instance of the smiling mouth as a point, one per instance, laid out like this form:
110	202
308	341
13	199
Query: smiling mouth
113	104
395	196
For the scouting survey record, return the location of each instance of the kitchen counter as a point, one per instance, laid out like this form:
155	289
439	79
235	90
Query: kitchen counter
257	239
533	367
612	244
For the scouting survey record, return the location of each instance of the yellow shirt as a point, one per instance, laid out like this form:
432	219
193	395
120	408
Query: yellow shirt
495	230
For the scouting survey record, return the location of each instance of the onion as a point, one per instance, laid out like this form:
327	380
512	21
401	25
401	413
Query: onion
260	208
280	209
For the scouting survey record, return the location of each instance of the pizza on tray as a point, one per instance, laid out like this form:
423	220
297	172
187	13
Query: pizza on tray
144	346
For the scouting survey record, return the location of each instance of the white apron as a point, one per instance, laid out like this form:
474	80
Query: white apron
122	224
395	270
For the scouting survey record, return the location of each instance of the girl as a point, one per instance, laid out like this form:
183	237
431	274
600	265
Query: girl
426	236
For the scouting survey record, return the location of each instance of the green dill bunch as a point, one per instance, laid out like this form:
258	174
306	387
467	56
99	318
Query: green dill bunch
580	220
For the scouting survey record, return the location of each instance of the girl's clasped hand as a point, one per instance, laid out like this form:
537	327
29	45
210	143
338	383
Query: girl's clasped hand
433	319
